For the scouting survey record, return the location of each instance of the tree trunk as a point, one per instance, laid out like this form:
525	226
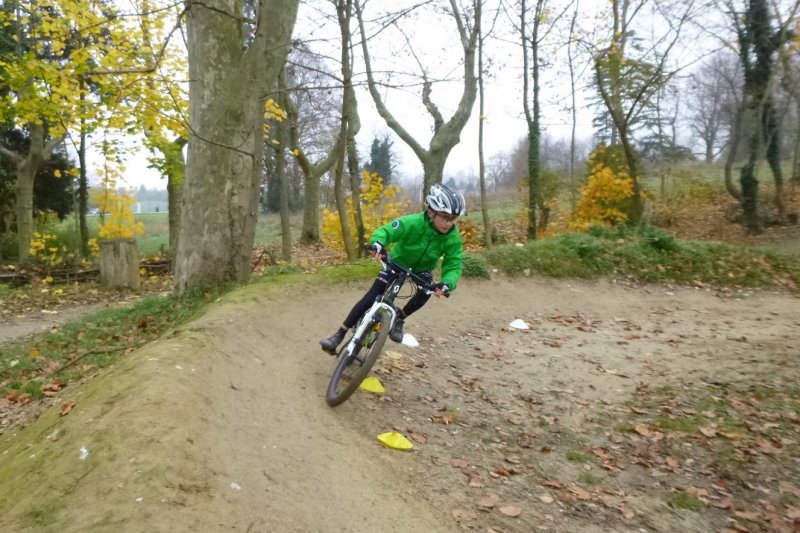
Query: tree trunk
773	140
749	181
83	193
344	11
283	194
341	199
571	61
310	232
38	153
226	145
176	172
532	115
119	263
730	157
637	209
487	226
25	176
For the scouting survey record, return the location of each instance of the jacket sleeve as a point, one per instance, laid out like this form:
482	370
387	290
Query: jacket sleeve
452	261
390	232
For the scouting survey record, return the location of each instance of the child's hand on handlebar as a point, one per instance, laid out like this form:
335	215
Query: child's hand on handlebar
378	251
440	289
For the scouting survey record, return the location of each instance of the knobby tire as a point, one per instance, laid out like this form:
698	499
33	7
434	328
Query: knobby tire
349	372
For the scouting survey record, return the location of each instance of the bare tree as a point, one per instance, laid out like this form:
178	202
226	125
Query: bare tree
313	108
707	97
446	133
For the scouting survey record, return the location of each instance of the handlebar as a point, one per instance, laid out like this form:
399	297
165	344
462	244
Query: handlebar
386	259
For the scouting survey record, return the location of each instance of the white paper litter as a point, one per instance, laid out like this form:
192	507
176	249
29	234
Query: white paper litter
236	486
519	324
409	340
84	453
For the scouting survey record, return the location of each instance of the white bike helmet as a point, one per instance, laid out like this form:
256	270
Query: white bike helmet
443	199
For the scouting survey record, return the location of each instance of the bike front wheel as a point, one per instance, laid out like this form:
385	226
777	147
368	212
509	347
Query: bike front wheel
351	370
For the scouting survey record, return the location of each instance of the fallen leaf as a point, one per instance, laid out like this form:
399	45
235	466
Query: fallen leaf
580	493
546	498
786	487
488	502
554	484
643	430
746	515
475	480
708	431
418	437
602	454
67	407
725	503
445	419
511	510
459	463
700	493
627	512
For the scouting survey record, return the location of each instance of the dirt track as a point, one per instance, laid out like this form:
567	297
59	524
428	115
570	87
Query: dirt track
222	426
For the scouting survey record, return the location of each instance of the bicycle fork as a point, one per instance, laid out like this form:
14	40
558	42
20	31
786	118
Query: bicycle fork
365	323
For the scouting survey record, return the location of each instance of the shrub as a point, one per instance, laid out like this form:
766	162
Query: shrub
475	266
606	197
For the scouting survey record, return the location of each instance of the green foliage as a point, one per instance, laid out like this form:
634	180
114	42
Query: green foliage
646	254
53	185
103	336
475	266
8	246
567	255
381	159
578	457
684	500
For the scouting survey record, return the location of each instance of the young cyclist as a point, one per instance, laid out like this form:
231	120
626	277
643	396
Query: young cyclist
417	242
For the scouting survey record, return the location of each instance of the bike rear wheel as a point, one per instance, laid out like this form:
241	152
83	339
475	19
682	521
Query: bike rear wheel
351	370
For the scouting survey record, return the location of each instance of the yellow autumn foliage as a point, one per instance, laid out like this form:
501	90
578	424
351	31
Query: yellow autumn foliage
607	193
118	223
379	205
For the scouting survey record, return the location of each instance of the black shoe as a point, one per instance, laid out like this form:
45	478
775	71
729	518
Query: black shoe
331	343
396	333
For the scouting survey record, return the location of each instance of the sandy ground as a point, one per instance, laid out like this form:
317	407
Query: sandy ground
222	425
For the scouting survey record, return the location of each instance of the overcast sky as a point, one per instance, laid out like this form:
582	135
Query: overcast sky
437	48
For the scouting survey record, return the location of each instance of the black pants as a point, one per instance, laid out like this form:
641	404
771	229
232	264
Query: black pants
416	302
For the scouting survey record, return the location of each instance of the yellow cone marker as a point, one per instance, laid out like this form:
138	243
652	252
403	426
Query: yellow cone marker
395	440
372	384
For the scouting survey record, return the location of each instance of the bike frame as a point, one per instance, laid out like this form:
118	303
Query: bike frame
385	302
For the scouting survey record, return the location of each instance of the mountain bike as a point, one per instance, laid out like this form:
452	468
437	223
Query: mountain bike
360	351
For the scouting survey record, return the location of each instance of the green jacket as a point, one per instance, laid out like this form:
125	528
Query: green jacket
417	245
